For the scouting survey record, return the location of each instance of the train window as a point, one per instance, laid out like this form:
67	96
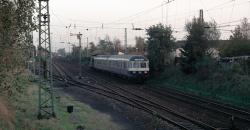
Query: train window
143	65
130	64
124	65
136	65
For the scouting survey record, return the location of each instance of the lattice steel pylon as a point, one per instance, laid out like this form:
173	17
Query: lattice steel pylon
46	99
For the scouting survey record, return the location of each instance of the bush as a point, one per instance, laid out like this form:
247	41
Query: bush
205	68
213	81
236	48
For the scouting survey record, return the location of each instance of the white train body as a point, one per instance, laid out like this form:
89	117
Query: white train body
132	66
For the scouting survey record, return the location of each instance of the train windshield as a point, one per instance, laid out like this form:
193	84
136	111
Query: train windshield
136	64
143	65
139	64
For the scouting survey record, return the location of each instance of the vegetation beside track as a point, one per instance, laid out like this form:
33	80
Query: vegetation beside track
198	69
19	112
225	85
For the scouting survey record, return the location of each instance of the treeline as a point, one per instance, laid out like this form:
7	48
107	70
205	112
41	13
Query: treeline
107	46
16	21
198	69
199	49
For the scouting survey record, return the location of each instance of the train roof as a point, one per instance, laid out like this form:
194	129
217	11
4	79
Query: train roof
122	57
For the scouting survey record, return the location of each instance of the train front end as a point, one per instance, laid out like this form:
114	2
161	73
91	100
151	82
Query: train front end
139	67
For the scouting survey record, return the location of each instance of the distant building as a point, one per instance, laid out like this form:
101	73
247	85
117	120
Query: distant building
214	53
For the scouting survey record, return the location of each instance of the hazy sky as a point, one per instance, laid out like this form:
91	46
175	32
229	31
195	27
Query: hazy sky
115	15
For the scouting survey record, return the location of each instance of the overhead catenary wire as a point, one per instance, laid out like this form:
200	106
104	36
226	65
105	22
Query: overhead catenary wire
217	6
190	13
234	21
122	23
232	11
144	11
220	6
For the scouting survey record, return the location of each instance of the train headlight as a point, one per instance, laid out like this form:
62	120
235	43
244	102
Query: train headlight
134	72
145	72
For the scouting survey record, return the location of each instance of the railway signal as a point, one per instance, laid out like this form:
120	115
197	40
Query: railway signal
79	37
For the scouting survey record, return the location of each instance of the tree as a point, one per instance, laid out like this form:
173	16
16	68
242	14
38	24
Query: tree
241	32
75	52
140	44
245	28
237	34
117	45
239	41
16	20
92	48
211	31
160	45
196	48
105	46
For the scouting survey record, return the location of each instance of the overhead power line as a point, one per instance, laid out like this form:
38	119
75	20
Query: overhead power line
190	12
98	27
235	21
145	11
219	6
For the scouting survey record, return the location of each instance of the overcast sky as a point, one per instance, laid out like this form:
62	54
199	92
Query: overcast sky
114	15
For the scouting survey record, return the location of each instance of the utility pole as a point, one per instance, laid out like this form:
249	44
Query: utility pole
162	11
87	51
33	57
69	49
79	37
46	98
201	16
126	41
166	2
167	12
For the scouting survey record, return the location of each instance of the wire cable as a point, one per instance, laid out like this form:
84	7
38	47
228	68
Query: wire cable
232	11
143	12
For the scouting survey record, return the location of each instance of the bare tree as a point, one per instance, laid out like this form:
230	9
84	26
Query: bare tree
242	31
245	28
117	45
140	44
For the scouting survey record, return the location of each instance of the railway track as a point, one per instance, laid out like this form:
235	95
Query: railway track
115	96
134	100
238	113
241	117
236	116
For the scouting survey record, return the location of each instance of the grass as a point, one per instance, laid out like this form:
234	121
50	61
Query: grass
24	110
226	87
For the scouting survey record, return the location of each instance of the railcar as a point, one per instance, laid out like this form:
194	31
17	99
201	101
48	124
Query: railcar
130	66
